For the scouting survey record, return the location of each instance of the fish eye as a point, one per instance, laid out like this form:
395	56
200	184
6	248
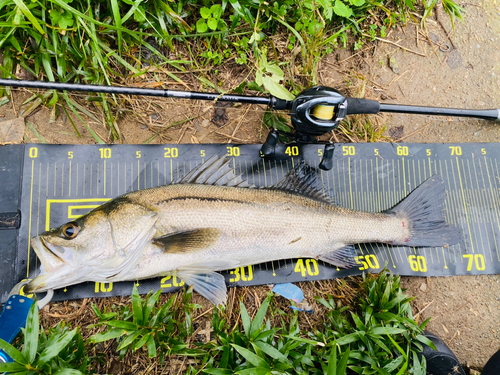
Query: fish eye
71	230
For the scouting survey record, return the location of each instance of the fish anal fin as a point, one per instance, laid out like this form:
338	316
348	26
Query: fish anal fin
188	241
343	257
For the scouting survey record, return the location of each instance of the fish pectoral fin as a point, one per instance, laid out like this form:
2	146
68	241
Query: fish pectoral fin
188	241
210	285
343	257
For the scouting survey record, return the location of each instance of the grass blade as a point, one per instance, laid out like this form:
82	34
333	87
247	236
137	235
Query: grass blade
35	132
29	15
118	21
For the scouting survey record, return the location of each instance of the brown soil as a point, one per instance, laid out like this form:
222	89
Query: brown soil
462	71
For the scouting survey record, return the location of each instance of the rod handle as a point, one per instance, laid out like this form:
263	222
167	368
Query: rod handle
357	106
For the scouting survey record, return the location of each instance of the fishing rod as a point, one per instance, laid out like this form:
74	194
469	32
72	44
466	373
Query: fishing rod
314	112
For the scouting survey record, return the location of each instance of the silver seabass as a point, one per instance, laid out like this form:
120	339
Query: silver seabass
212	220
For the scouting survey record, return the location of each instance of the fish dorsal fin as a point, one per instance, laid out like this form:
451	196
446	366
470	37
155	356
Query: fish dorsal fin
215	171
188	241
303	180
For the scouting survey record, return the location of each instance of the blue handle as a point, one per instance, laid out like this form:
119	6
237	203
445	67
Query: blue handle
13	318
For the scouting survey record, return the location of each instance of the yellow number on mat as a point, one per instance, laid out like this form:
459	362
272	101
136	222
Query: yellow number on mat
242	273
402	150
292	151
478	260
33	152
417	263
101	287
105	153
367	261
171	152
175	282
233	151
309	267
348	150
456	150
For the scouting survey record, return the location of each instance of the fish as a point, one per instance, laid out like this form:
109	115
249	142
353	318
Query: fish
213	220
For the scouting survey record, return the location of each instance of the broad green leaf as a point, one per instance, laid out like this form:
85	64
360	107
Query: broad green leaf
341	9
216	10
275	89
394	364
201	26
259	317
258	77
426	341
358	322
306	341
31	334
150	305
418	367
332	361
129	339
140	14
212	23
111	334
347	339
137	306
357	3
342	367
151	345
54	349
386	331
251	357
254	371
11	367
15	44
205	12
275	70
218	371
140	343
245	319
68	371
129	326
15	354
270	350
62	19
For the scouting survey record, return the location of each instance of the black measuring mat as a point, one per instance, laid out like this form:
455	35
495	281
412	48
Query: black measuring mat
63	182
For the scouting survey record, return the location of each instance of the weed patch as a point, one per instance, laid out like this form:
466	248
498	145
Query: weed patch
377	334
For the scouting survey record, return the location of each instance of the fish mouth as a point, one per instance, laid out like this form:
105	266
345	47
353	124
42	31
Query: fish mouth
51	256
57	270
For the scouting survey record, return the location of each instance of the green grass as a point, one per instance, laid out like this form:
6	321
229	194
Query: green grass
376	335
103	41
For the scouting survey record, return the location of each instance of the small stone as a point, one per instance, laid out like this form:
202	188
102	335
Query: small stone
205	123
423	287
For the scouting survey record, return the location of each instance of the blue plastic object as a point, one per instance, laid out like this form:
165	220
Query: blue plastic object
13	318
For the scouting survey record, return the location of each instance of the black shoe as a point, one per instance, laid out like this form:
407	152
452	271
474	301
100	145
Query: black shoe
441	361
492	367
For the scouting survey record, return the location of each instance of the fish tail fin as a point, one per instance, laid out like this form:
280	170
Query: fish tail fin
424	209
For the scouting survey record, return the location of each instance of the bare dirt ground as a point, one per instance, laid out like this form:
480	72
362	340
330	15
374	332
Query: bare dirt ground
455	69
